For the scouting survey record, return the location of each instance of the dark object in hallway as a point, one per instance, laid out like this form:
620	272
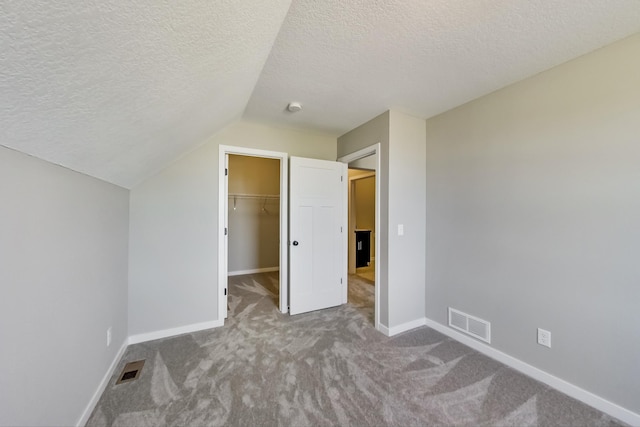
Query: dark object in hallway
363	248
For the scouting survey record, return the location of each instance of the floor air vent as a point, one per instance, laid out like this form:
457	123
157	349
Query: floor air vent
131	371
470	325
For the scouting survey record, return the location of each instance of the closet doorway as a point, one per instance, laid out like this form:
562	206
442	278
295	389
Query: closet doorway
253	217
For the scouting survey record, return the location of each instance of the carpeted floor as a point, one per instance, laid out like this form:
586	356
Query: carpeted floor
329	367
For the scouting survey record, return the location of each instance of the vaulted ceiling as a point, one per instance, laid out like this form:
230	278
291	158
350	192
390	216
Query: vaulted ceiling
119	89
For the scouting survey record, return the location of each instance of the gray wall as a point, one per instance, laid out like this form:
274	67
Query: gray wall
533	219
407	206
402	201
63	273
376	131
173	248
254	223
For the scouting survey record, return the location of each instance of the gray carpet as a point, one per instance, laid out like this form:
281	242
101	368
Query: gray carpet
329	367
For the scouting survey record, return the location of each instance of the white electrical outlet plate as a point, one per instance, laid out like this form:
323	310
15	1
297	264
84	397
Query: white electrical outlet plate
400	229
544	337
109	337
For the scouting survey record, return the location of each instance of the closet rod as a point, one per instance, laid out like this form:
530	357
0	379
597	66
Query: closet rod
254	196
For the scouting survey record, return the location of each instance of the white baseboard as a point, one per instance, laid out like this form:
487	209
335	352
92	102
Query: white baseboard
253	271
382	328
156	335
395	330
103	385
565	387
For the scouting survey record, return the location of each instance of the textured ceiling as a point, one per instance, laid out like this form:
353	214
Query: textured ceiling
119	89
348	61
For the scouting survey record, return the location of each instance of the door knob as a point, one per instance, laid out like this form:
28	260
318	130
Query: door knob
295	243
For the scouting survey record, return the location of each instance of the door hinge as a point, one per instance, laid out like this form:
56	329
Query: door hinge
226	171
225	231
341	229
225	291
341	280
341	178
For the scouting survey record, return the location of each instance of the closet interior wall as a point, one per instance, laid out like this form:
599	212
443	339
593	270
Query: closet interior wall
254	214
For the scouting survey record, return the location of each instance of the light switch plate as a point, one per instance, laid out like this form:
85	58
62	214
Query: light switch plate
400	229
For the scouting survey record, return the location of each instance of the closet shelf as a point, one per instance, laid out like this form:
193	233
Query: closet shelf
253	196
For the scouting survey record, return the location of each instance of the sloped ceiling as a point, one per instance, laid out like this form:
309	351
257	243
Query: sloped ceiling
118	89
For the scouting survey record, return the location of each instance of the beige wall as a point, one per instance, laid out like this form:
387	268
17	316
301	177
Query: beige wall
533	208
253	175
365	205
254	223
359	172
174	228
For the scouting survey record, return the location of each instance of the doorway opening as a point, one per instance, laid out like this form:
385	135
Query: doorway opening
361	279
253	200
253	218
364	226
362	213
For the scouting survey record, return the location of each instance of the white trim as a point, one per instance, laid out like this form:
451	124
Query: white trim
222	240
102	386
374	149
565	387
284	233
344	273
165	333
404	327
253	271
356	155
382	328
223	196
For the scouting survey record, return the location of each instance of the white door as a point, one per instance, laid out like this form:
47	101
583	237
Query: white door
317	234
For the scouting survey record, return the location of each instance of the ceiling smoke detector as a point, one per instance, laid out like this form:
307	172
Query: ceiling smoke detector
294	107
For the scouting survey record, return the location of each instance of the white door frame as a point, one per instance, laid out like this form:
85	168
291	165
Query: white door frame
223	196
365	152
